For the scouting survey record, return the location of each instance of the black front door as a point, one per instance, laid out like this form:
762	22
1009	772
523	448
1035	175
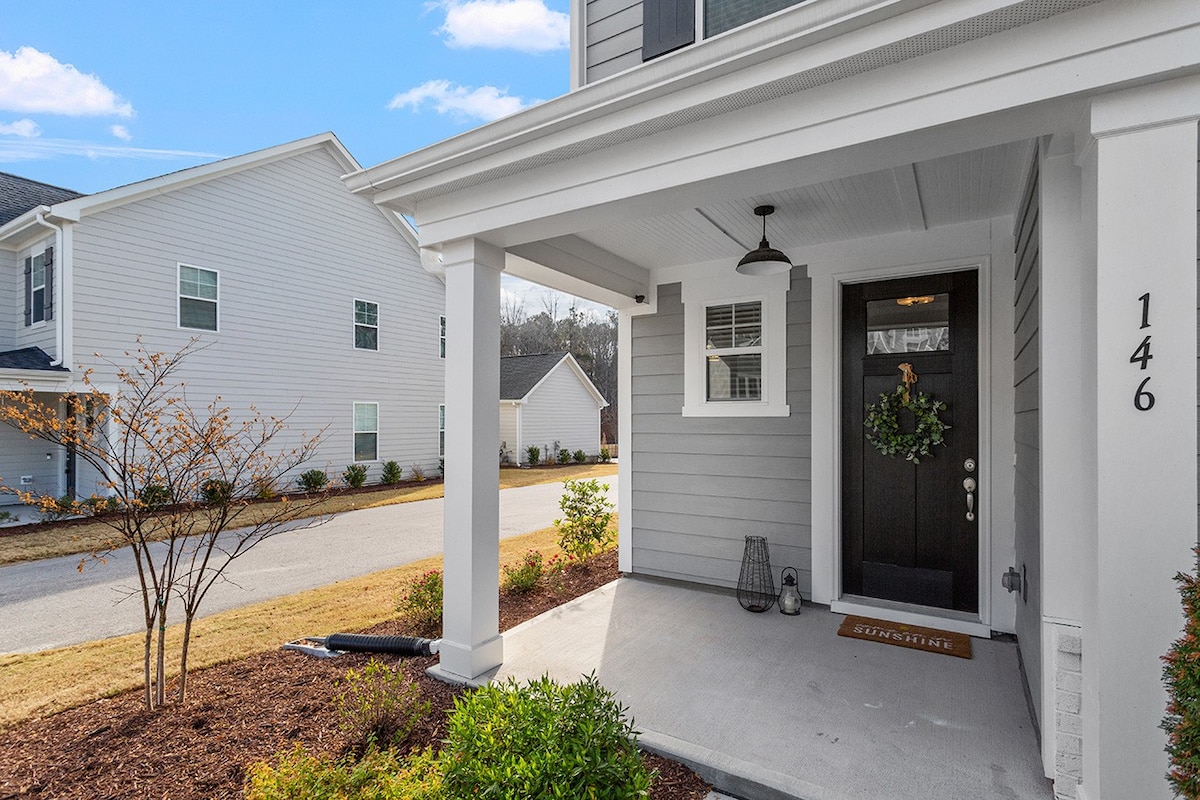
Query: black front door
907	533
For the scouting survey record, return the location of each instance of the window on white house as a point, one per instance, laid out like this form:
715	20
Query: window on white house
37	289
366	431
442	336
724	15
441	431
366	325
733	343
197	298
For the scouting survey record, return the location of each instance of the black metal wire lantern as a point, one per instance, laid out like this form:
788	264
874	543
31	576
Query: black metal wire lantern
756	585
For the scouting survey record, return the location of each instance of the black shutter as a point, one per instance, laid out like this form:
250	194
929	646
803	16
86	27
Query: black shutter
28	292
49	256
667	25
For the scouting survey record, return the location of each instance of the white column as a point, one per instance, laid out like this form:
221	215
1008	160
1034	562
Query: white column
471	643
1145	213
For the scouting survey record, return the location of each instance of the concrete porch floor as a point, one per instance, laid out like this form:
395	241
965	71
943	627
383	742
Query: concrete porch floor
766	706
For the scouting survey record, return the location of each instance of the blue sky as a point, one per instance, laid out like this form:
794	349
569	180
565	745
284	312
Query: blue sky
103	93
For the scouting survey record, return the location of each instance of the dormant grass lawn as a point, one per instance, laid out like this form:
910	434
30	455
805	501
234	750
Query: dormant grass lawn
37	684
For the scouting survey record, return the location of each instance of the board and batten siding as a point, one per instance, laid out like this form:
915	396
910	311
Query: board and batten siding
561	409
293	249
613	37
1027	428
702	484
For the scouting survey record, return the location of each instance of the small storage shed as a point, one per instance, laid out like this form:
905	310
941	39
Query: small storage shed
544	399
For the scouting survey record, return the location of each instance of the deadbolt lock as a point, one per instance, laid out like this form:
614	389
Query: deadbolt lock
969	465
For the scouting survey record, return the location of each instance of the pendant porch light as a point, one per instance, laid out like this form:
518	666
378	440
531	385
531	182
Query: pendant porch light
765	260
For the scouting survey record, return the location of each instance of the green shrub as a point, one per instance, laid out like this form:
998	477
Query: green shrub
155	495
534	454
379	706
422	603
391	473
542	740
583	530
1181	674
215	490
564	456
604	456
379	775
579	456
355	475
524	576
313	480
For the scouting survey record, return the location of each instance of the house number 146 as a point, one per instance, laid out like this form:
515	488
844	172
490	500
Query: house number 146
1143	400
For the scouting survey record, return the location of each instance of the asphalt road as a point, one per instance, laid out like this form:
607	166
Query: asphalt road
48	604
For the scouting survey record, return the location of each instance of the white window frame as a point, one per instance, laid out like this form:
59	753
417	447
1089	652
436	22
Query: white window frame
699	293
441	430
355	432
358	325
701	20
179	295
442	336
34	288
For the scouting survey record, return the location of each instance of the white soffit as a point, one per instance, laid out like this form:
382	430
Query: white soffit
980	184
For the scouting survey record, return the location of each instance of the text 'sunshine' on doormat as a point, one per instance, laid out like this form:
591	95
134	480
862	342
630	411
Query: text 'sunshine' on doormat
912	636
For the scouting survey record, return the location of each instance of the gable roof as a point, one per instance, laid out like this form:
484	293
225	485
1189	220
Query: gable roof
73	206
28	358
18	195
520	375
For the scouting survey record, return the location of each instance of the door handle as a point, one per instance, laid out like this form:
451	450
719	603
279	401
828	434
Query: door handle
970	485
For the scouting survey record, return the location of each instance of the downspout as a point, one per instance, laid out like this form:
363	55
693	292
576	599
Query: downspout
59	289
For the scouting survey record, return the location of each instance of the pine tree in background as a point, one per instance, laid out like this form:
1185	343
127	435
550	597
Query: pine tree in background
1181	674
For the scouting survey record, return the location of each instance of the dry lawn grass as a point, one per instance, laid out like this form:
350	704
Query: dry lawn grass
51	540
35	685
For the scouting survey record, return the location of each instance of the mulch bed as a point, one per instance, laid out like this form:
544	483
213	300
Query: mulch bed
244	712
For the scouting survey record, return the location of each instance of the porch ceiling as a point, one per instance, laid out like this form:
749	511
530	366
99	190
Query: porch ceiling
980	184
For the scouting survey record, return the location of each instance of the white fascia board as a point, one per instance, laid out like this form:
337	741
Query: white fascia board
40	380
544	275
991	92
20	231
74	210
654	89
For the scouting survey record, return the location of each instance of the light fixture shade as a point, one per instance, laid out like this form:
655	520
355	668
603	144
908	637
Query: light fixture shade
765	260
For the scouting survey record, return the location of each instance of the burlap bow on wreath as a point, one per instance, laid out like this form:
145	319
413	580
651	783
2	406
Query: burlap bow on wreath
883	421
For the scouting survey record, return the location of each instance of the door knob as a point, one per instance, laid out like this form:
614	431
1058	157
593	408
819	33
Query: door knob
970	485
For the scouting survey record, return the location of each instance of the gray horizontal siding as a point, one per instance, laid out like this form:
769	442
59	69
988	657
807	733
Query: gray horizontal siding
294	249
613	37
12	290
701	485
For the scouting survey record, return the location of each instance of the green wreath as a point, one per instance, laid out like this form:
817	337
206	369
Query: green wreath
883	425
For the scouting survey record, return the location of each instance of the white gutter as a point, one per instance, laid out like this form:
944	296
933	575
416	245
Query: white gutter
59	288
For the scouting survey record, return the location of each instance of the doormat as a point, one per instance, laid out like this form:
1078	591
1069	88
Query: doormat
912	636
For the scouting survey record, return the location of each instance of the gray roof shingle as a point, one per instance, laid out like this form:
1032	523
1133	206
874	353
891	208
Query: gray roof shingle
519	374
28	358
18	195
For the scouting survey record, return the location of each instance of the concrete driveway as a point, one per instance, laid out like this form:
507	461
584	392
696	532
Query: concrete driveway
48	604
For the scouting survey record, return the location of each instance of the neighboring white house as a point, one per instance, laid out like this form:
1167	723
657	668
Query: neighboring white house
1011	182
306	300
547	400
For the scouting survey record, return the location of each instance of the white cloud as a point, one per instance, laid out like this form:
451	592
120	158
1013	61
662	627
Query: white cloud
25	128
121	132
14	150
525	25
35	82
484	103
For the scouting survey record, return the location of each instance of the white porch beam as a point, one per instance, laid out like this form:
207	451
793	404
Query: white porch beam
1145	212
471	643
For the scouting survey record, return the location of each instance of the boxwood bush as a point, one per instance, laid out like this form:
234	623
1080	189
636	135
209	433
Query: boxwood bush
542	739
